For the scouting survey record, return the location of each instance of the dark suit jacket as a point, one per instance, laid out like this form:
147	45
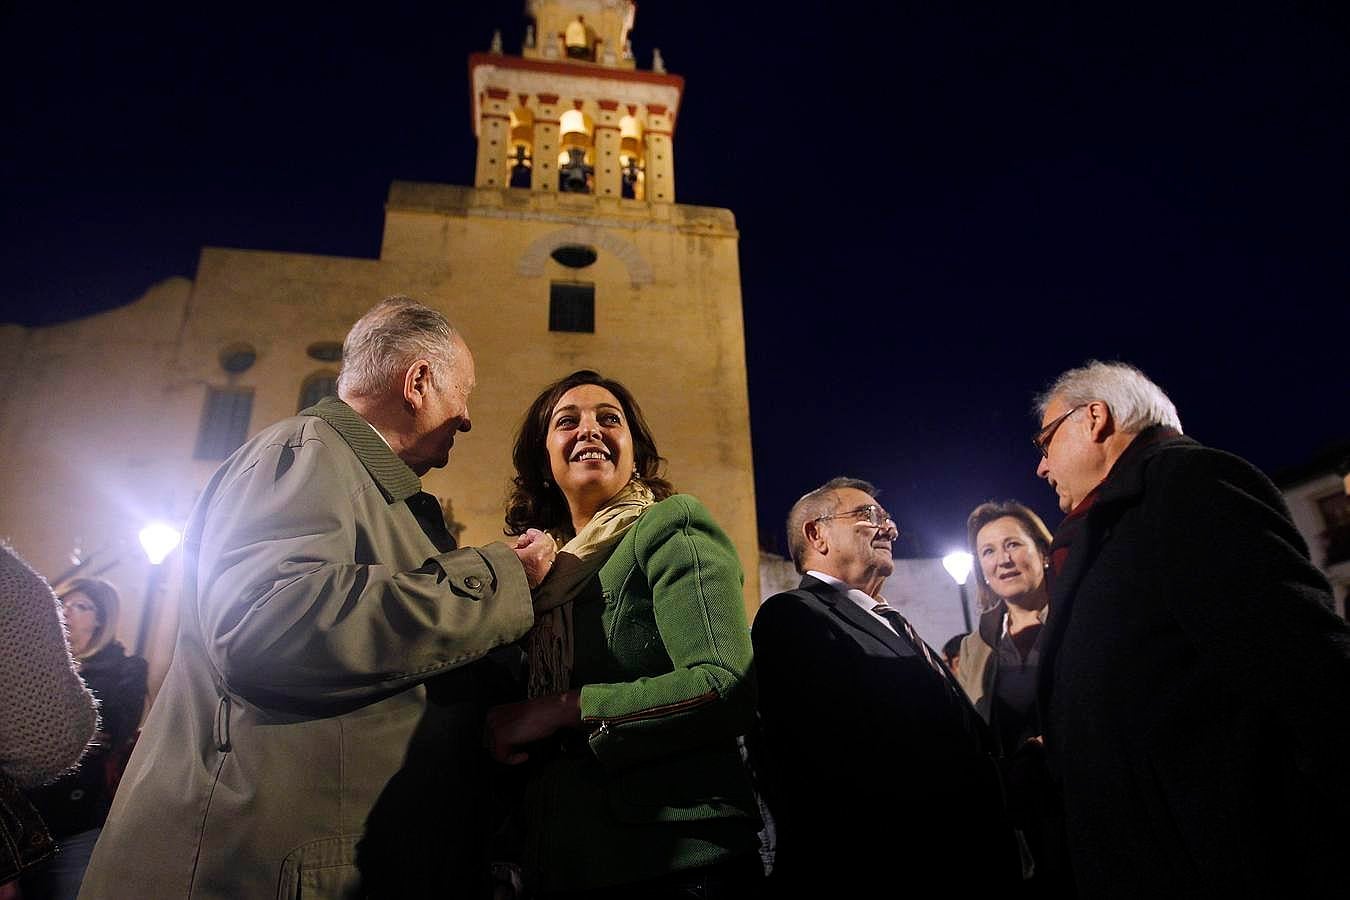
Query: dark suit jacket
865	748
1196	688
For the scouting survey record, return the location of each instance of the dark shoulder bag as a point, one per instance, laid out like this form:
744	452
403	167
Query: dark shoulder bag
24	841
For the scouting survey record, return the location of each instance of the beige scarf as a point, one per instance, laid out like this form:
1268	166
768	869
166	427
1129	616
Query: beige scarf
549	644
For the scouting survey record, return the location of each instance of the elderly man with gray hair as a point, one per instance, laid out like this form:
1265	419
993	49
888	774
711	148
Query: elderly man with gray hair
865	734
1194	683
319	730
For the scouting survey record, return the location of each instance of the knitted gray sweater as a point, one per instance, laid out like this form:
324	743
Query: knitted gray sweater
47	715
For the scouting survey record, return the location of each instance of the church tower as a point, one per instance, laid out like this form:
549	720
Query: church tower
570	251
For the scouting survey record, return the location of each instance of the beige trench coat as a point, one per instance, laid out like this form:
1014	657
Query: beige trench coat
318	731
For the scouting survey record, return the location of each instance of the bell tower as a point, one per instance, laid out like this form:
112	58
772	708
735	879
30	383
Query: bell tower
574	113
570	251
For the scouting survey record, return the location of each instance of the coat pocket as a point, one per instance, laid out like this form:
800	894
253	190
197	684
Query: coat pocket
703	785
321	870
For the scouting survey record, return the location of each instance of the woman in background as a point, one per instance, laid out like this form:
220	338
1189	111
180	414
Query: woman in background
638	666
76	805
1000	660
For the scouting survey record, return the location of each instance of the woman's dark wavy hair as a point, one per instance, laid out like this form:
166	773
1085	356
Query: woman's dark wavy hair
535	501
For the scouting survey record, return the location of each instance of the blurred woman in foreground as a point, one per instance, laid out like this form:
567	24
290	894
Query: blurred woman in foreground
46	713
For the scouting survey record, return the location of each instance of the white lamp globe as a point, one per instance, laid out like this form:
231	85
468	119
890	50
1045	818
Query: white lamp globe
158	541
958	565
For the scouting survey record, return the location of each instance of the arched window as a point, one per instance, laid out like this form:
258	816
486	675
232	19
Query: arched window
579	40
575	167
630	158
317	386
521	162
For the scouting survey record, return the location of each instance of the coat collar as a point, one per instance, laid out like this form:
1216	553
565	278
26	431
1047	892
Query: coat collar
1080	536
990	625
836	601
392	476
1126	478
1085	527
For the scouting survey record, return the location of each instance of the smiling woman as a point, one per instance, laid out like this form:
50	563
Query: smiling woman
590	449
639	664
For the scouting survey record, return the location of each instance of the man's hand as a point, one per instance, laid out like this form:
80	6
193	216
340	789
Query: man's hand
513	725
536	551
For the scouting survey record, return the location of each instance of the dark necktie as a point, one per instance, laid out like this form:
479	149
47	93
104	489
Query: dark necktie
969	717
905	630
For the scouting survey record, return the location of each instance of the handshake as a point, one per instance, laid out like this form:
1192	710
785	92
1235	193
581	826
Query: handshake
536	551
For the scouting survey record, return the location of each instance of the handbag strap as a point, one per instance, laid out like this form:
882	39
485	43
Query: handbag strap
24	839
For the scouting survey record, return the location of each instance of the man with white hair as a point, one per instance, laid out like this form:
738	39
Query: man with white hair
1195	686
319	730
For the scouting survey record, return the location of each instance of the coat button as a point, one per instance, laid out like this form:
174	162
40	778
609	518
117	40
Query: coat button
473	582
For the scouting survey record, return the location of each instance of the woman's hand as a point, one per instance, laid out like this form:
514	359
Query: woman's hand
513	725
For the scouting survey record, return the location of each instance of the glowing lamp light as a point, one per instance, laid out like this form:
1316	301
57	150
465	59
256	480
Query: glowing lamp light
158	541
958	565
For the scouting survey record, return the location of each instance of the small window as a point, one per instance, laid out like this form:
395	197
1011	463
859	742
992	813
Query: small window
224	422
238	358
316	387
571	306
574	256
325	351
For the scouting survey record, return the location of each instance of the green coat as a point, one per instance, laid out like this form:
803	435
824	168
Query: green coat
662	656
319	731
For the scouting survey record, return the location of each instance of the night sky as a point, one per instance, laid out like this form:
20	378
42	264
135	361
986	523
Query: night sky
973	197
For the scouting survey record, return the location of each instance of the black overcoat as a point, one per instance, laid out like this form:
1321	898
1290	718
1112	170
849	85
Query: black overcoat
1195	685
870	755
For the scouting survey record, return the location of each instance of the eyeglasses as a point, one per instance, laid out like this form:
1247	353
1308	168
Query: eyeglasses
1043	437
871	514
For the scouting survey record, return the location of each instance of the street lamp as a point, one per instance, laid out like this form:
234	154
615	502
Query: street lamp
958	565
157	540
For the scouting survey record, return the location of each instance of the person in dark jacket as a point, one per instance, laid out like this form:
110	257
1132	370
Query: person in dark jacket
1194	682
865	735
76	805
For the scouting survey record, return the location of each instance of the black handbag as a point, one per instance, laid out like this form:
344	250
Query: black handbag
24	839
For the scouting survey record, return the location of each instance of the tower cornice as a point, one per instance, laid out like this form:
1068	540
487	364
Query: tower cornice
518	74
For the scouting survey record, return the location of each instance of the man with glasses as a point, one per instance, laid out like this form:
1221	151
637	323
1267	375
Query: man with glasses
1195	687
865	734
